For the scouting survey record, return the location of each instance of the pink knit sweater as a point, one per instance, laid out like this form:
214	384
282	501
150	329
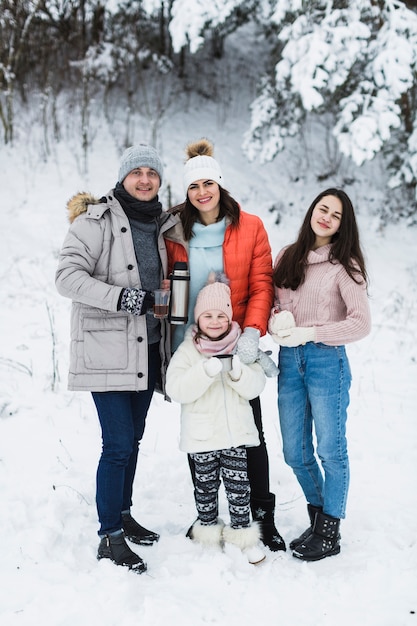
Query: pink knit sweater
329	300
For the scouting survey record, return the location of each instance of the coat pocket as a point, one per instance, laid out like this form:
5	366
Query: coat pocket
201	426
105	342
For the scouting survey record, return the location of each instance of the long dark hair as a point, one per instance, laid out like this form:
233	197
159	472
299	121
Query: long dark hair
290	271
189	215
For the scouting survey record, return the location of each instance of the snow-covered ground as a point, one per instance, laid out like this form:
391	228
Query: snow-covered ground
50	439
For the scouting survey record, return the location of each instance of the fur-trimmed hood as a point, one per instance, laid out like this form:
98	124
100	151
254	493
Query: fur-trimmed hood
79	203
109	348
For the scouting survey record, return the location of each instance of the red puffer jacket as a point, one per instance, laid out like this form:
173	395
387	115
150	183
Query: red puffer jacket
247	263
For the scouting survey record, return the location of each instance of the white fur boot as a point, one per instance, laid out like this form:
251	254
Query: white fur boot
247	539
207	535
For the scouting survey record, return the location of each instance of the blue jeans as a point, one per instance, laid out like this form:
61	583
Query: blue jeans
122	416
313	388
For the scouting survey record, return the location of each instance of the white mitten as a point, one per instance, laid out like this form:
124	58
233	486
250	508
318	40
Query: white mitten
293	337
213	366
236	371
280	321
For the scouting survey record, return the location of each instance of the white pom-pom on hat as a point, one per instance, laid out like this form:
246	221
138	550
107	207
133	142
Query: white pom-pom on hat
201	165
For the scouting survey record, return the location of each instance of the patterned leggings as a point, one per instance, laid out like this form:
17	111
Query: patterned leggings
231	465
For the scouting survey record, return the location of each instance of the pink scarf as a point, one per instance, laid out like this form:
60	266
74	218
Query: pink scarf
226	345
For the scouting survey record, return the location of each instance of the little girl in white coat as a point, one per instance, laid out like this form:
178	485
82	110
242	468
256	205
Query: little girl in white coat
217	421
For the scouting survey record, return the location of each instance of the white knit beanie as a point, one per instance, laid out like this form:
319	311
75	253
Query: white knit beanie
200	164
214	296
140	156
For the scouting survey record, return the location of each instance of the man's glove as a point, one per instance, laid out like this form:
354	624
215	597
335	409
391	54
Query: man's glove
267	364
136	301
293	337
280	321
248	345
213	366
236	371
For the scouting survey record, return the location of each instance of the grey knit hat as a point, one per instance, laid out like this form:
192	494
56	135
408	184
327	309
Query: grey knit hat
140	156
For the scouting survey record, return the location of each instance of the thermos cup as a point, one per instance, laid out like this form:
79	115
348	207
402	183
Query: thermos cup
180	287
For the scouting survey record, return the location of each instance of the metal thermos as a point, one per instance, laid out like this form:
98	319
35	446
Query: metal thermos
180	288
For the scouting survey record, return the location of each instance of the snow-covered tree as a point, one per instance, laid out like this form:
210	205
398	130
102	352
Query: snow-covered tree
194	21
16	20
356	60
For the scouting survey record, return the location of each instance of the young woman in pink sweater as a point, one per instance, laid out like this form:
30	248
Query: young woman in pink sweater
321	303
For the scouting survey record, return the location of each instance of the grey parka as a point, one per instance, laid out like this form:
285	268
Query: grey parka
109	348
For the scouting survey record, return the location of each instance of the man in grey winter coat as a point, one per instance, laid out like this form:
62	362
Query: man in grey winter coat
112	260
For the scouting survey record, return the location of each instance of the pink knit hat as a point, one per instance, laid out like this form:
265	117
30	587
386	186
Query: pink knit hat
215	295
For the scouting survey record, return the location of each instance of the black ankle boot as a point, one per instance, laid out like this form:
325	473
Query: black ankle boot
136	533
312	510
115	548
324	540
189	533
263	510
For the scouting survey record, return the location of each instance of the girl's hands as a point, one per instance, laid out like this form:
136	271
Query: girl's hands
212	366
236	371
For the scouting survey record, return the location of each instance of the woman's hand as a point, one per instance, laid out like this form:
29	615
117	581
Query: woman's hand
248	345
293	337
280	321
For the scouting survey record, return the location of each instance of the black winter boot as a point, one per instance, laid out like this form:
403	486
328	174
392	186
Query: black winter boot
136	533
115	548
263	512
189	533
312	510
323	541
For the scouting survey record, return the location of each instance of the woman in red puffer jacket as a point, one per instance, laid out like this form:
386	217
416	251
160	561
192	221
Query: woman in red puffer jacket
212	233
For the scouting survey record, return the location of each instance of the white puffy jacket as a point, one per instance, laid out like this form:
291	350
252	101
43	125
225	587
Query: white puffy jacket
215	411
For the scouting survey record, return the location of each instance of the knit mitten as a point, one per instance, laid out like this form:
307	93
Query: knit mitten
213	366
136	301
236	371
267	364
280	321
297	336
248	345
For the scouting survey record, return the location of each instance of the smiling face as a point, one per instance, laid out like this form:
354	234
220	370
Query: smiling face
325	219
204	195
142	183
213	323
